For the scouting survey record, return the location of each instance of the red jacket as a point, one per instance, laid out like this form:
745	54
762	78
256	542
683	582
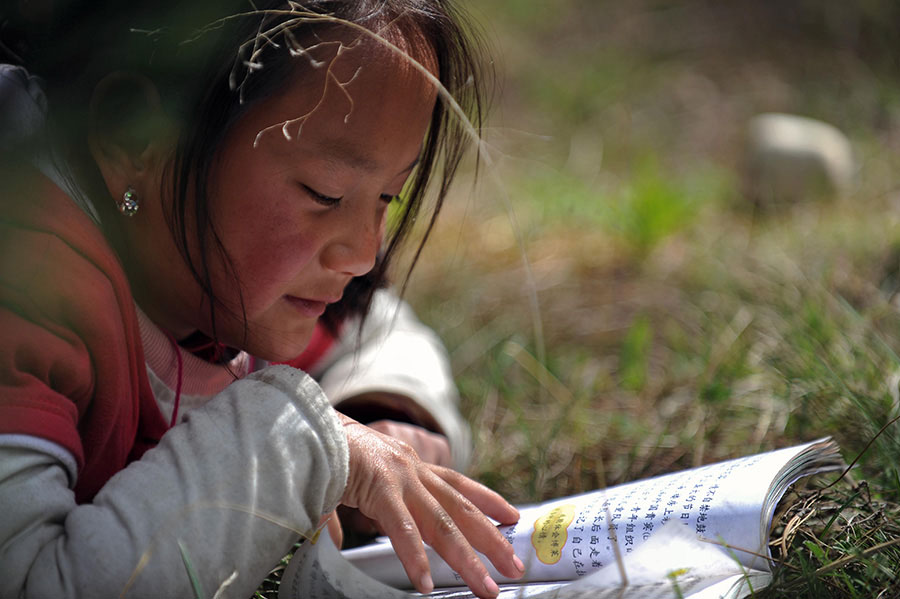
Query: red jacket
72	368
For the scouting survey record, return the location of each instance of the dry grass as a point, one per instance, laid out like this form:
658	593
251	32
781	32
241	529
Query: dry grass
836	542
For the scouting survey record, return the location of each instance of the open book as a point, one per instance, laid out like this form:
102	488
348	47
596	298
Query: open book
699	533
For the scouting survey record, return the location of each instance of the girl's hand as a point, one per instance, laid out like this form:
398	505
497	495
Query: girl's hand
413	501
430	447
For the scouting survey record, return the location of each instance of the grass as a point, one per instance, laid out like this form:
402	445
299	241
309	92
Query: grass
726	337
836	542
679	325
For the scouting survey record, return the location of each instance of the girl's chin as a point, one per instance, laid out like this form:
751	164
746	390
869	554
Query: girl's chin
282	349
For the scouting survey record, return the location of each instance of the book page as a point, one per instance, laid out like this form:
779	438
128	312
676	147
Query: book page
690	587
656	571
570	538
674	563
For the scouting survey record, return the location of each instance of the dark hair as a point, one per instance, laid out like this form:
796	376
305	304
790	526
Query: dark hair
198	58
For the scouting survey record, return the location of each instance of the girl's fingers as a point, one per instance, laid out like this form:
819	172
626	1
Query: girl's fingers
401	528
488	501
441	532
475	528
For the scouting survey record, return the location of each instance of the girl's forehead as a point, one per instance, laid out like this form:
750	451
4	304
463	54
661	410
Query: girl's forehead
354	107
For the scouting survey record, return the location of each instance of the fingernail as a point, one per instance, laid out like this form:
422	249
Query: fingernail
426	585
518	564
490	587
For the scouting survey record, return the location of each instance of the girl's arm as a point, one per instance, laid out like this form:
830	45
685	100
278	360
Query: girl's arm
230	490
224	495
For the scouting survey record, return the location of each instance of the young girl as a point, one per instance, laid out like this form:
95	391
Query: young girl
187	196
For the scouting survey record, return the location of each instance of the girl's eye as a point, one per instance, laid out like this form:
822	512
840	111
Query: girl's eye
319	198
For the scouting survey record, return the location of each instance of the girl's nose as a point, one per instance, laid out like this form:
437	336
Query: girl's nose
355	245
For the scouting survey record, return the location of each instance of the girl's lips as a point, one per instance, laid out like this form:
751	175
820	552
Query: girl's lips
307	307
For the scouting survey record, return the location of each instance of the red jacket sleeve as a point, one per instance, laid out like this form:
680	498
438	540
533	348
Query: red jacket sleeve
71	365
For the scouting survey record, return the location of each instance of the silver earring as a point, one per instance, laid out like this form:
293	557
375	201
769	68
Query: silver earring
129	204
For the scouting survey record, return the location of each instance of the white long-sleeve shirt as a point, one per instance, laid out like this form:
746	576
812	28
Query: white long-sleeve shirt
231	487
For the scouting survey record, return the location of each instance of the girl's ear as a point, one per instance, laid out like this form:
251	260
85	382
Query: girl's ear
129	133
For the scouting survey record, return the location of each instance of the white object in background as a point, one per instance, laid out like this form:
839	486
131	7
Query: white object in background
790	158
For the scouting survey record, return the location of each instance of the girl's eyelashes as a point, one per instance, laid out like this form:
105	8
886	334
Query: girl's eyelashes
319	198
329	201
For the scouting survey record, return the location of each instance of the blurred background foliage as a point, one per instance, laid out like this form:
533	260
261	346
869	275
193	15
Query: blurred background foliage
614	304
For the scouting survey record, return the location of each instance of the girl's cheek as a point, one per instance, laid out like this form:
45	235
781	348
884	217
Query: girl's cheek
292	258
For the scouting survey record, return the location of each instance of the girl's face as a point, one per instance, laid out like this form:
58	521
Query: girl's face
298	217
